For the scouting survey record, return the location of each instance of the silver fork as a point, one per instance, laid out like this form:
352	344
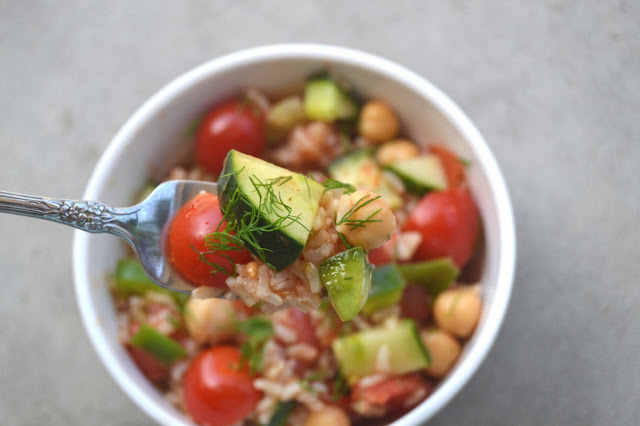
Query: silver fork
142	225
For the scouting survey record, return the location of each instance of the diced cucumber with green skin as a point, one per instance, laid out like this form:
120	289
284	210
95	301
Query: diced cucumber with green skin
360	169
347	278
161	347
325	100
130	279
435	275
357	353
387	285
420	174
298	197
282	413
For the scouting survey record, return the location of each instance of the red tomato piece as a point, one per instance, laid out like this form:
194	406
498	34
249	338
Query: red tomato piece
453	167
391	394
298	322
193	222
415	303
218	390
236	124
152	369
385	253
449	224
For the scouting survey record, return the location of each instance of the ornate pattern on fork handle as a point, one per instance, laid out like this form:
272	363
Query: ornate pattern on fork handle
90	216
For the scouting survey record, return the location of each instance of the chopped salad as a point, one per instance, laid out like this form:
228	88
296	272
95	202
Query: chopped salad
351	252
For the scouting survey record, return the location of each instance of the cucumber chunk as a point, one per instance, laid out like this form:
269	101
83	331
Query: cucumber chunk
360	169
347	278
420	174
161	347
435	275
275	206
387	285
325	100
357	353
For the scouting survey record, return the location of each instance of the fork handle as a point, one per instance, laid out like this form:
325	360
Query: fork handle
90	216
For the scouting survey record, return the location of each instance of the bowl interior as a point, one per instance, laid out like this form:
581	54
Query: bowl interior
154	139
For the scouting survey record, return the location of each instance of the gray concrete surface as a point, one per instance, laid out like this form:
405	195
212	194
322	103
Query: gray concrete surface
554	86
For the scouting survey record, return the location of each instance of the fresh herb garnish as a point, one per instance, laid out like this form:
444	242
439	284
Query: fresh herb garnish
306	183
258	330
330	184
346	243
349	220
340	388
305	382
243	232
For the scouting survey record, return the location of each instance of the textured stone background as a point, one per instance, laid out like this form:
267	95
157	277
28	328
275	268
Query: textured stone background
554	86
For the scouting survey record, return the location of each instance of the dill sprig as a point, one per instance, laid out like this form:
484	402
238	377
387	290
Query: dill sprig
258	330
344	240
330	184
243	232
349	219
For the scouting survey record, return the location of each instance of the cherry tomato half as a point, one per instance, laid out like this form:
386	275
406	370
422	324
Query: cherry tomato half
449	223
452	165
236	124
217	391
193	222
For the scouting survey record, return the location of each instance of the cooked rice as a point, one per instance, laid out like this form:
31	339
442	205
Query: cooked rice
284	333
361	323
303	352
310	146
418	395
371	380
258	99
299	284
385	314
406	245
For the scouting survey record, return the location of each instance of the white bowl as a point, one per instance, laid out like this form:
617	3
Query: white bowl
151	140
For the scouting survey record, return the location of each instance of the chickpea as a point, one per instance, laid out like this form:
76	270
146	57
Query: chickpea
444	351
458	311
210	320
378	221
397	150
378	123
328	415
